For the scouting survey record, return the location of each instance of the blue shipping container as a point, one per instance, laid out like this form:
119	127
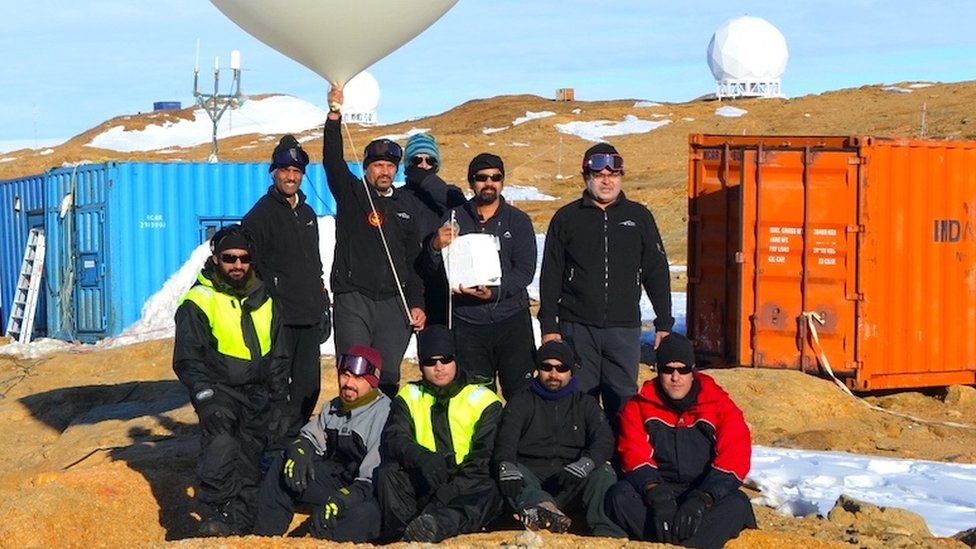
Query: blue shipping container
117	231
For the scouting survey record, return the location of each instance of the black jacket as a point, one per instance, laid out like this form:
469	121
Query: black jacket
545	435
595	263
430	197
400	444
360	263
288	260
513	227
196	360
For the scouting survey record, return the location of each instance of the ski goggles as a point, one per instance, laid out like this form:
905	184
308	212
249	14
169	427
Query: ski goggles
546	367
383	149
603	161
418	160
668	370
289	157
356	365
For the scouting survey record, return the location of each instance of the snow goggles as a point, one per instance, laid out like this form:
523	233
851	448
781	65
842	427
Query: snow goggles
604	161
668	370
418	160
546	367
383	149
356	365
482	177
289	157
432	361
230	259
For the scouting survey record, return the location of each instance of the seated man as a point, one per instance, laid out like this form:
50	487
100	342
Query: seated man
434	482
684	449
331	463
552	448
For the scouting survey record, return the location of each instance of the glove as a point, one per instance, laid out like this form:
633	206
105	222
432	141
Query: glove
298	465
661	500
215	418
325	323
327	518
415	174
434	471
510	480
574	473
690	514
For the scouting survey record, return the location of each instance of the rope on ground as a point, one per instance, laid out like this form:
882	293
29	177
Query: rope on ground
813	318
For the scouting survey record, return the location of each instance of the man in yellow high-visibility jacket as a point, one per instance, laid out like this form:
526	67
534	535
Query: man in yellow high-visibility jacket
435	480
229	356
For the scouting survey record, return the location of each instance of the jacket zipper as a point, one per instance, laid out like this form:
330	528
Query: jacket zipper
606	268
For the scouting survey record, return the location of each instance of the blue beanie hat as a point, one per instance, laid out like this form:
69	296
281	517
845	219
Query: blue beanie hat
422	143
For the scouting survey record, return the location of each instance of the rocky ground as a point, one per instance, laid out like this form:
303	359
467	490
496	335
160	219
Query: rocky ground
101	446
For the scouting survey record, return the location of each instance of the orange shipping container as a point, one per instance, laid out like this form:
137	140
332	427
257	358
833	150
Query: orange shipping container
857	251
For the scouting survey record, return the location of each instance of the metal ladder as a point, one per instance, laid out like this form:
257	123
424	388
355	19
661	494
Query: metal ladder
20	325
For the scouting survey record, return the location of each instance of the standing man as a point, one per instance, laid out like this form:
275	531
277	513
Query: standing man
492	325
552	449
600	251
377	244
434	482
330	465
230	355
432	198
684	449
286	238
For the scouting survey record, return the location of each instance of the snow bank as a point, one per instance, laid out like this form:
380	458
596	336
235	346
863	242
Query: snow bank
800	482
529	115
404	136
729	111
274	115
646	104
520	192
598	130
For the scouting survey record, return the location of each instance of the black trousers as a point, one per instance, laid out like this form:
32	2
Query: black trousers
276	503
587	496
229	465
722	521
381	325
460	507
609	358
306	374
506	347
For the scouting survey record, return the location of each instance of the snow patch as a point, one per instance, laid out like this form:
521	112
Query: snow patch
518	144
729	111
896	89
524	192
404	136
529	115
46	152
597	130
489	131
646	104
273	115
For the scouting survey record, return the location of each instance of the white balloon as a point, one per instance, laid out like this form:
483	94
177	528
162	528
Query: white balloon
335	38
362	94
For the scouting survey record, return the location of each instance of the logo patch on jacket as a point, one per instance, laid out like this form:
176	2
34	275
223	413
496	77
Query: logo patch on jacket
507	234
628	223
374	218
403	215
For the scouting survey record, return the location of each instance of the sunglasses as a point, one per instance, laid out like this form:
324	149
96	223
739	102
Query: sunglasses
418	160
668	370
604	161
482	177
230	259
356	365
434	360
384	149
546	367
290	157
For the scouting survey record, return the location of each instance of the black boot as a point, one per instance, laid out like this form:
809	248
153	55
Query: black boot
220	523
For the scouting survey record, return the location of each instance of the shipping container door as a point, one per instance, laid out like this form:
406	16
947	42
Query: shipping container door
800	241
89	258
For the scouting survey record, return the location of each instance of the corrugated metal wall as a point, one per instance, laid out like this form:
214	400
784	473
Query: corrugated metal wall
130	226
27	195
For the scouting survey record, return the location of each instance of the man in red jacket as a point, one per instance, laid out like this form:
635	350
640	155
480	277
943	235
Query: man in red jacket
684	449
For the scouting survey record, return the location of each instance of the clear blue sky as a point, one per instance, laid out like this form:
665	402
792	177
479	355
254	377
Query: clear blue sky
68	65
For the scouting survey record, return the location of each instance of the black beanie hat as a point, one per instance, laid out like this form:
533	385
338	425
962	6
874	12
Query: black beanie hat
382	149
484	161
433	341
287	153
675	348
230	237
559	350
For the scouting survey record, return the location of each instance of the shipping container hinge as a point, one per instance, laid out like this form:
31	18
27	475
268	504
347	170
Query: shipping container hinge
855	229
697	155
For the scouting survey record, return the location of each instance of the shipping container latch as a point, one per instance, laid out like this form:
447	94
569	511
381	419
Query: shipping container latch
857	161
855	229
740	258
855	296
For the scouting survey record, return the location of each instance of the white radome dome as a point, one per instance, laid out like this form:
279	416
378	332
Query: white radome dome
361	94
747	48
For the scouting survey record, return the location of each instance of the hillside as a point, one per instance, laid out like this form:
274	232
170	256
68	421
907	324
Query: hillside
536	153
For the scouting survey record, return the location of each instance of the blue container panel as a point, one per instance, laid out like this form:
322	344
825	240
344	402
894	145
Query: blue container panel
14	226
